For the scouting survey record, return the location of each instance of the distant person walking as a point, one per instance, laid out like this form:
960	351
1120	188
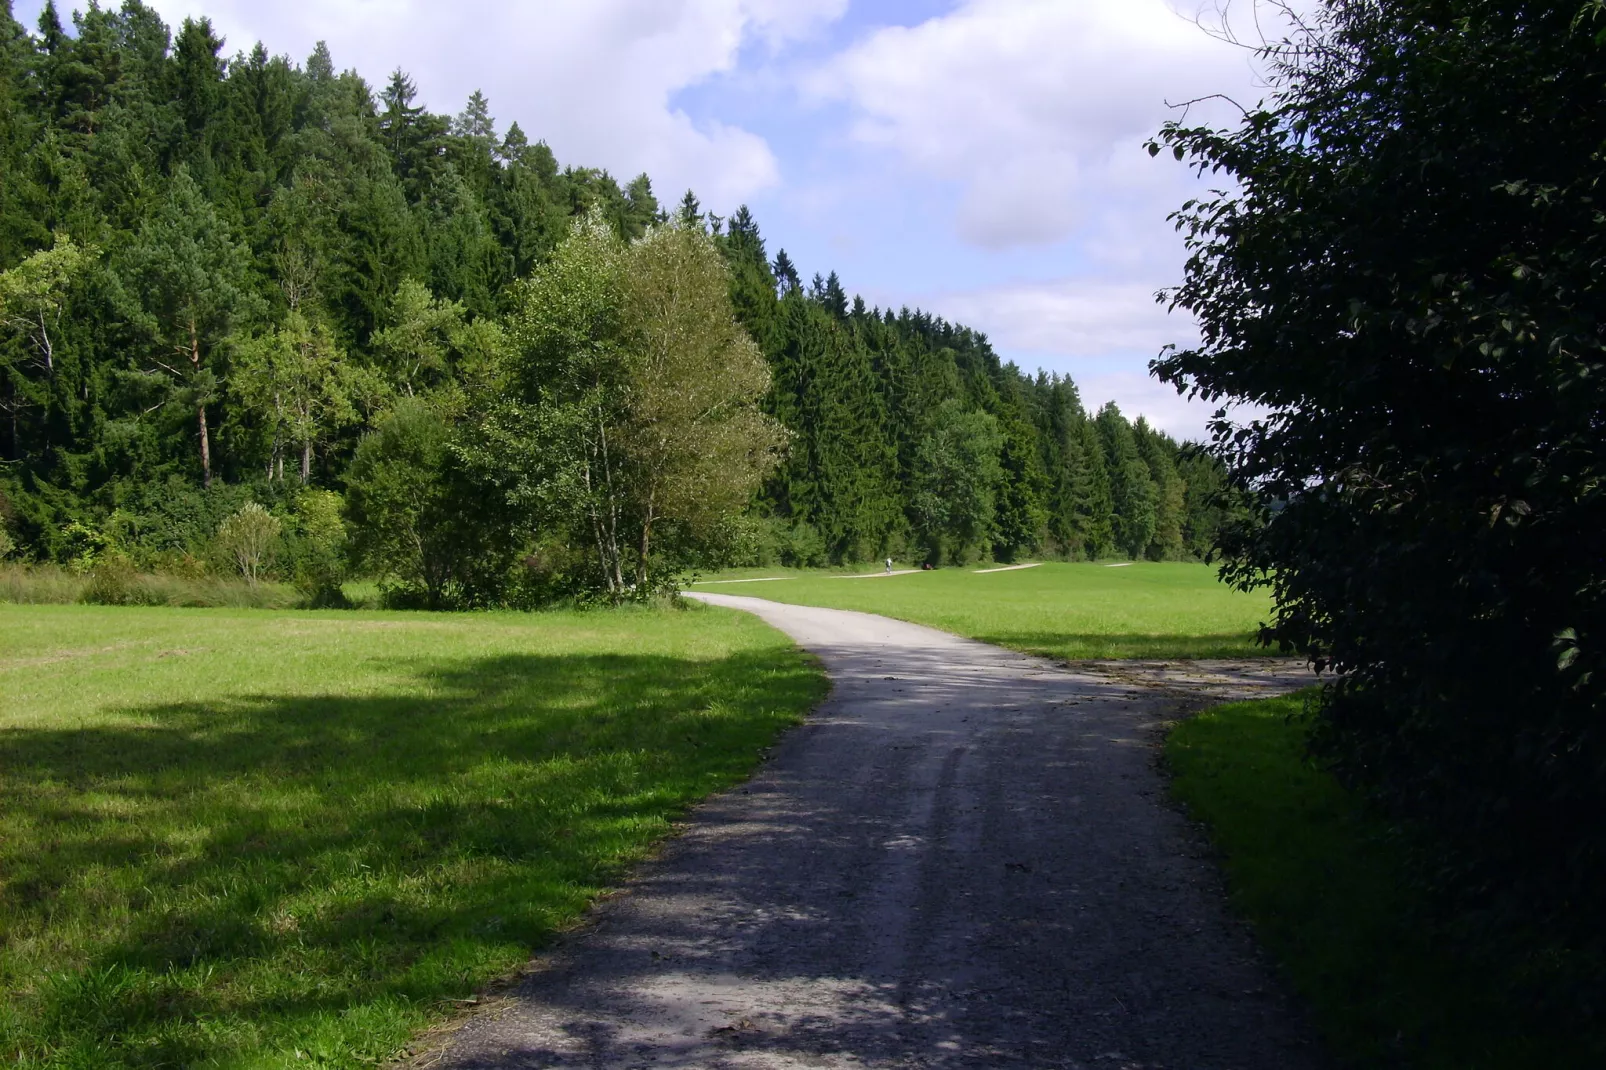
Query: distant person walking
889	566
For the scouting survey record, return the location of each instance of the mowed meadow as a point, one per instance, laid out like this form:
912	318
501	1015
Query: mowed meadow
1069	611
244	838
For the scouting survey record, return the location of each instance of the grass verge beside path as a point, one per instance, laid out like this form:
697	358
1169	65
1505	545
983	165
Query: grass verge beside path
1329	896
247	839
1067	611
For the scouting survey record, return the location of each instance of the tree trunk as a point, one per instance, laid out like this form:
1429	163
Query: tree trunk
617	577
206	449
306	462
50	350
596	527
206	443
646	546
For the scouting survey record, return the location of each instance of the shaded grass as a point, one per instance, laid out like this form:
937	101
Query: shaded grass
1329	893
1067	611
244	839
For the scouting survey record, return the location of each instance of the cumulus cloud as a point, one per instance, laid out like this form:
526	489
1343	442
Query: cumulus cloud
1074	317
1102	333
1037	108
1136	394
594	78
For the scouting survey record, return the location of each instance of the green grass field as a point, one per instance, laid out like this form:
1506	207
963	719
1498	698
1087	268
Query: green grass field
1069	611
248	839
1329	893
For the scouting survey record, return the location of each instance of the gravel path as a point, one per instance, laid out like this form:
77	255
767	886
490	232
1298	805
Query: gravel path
964	859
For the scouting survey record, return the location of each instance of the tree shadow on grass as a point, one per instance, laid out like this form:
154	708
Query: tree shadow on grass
291	872
1085	646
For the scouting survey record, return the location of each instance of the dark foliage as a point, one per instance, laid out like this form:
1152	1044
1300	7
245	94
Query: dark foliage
1408	276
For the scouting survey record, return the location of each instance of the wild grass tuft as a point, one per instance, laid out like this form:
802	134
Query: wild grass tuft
114	585
37	585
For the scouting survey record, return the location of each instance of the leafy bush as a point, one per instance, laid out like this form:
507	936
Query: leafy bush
172	525
433	536
318	547
113	582
801	545
1405	271
250	538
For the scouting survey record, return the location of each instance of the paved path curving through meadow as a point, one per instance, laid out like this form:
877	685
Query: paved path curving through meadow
964	859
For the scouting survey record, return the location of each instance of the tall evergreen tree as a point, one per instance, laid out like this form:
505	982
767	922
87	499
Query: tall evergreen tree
786	276
1134	497
1159	454
189	289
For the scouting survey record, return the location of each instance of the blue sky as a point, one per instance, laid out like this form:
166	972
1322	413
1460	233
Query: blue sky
978	158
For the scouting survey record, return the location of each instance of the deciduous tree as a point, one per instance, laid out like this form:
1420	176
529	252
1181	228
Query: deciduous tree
1404	271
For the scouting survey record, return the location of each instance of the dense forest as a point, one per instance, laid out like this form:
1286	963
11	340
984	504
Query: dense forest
239	280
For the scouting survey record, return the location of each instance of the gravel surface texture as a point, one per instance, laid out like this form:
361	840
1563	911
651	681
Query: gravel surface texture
966	858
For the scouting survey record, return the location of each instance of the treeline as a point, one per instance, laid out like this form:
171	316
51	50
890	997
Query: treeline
236	280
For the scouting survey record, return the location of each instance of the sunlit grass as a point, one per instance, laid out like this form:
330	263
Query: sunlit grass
249	839
1069	611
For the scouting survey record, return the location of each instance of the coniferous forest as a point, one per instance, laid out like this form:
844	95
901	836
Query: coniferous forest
250	302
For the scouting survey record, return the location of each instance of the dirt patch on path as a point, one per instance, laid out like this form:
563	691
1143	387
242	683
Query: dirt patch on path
964	859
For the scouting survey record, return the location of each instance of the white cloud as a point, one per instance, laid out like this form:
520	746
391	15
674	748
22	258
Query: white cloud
1036	108
1137	395
1076	317
594	78
1100	333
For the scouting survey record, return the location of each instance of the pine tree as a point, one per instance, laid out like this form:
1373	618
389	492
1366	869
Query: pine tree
1159	454
834	297
474	123
189	287
21	199
752	285
466	264
411	134
786	276
197	74
321	64
473	145
690	212
1132	490
641	207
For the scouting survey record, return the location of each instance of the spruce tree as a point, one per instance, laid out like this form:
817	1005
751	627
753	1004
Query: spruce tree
786	276
1133	494
641	207
690	212
188	287
1159	454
